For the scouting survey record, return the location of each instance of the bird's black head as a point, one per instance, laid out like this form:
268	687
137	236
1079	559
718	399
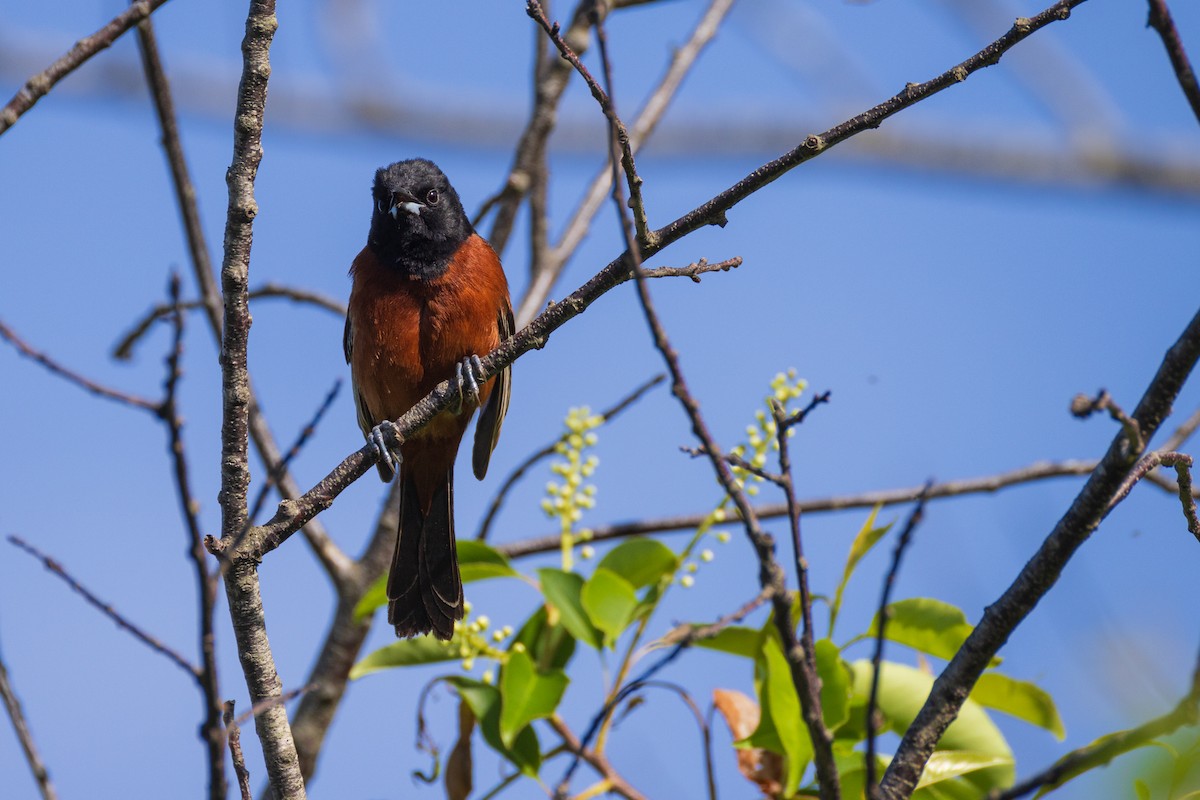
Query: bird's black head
418	221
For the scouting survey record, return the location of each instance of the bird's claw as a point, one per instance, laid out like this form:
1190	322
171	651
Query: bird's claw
468	374
386	440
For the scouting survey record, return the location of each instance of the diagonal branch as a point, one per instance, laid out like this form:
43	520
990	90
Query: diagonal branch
1160	20
106	609
88	385
39	85
13	706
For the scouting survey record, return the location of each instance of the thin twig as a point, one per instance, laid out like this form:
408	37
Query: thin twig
234	734
272	702
106	609
37	86
534	9
125	346
521	469
1145	467
206	581
1039	471
1104	750
813	713
905	538
682	61
32	757
306	433
1160	20
617	784
710	777
88	385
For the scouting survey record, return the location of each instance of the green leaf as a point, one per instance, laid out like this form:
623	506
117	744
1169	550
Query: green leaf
926	624
563	590
477	562
735	640
374	597
1020	699
1141	789
484	699
641	561
550	645
526	694
867	538
902	692
945	765
835	683
405	653
610	602
780	728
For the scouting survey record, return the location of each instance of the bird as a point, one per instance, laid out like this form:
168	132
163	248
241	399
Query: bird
428	296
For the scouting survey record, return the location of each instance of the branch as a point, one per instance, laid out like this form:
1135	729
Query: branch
616	783
902	543
275	473
771	576
37	86
1002	617
234	733
1038	471
206	582
1105	749
241	581
124	347
1160	20
106	609
548	450
643	127
88	385
13	706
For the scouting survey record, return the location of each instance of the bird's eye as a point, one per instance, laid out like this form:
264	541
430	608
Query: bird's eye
432	197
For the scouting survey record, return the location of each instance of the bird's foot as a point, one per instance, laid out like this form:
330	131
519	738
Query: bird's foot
468	374
386	439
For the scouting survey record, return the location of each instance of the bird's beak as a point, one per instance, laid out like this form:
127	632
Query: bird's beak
403	201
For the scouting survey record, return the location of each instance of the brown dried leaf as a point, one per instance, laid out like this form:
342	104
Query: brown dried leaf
742	714
458	765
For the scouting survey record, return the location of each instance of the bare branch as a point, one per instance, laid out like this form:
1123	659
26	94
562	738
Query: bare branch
883	615
106	609
37	86
124	347
1039	471
616	783
1160	20
234	733
13	706
88	385
206	582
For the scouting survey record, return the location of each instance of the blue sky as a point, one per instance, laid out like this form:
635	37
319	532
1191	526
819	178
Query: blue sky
952	318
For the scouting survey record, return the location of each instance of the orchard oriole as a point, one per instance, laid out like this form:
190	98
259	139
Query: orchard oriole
428	297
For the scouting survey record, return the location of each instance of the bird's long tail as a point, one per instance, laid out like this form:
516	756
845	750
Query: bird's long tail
424	587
